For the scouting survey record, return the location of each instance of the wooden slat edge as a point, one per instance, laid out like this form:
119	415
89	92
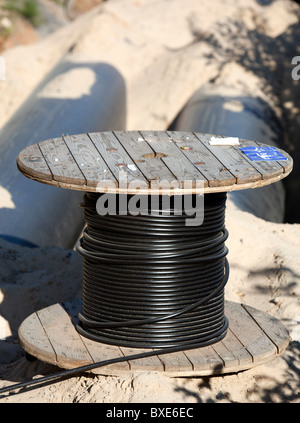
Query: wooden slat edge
285	164
26	169
257	165
152	363
227	178
98	351
152	167
58	156
251	335
253	176
186	173
89	161
273	328
34	339
69	349
120	166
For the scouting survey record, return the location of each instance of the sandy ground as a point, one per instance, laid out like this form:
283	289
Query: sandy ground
166	52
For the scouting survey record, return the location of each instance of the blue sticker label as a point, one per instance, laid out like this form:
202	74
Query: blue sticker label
257	154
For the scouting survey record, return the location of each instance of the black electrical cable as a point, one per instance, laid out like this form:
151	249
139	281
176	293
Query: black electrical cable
151	281
88	367
171	285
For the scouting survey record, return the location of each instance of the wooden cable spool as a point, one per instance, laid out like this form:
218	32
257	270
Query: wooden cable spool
121	162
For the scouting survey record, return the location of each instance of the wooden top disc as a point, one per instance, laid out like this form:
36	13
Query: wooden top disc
148	162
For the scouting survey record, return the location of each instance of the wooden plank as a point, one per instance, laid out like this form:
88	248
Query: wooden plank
227	356
268	169
88	159
150	164
68	346
205	359
117	159
31	160
34	339
174	159
98	351
249	334
198	154
102	352
140	364
60	161
231	342
176	362
273	329
233	161
285	164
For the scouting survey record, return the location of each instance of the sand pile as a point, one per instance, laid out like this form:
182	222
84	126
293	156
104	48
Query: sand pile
164	53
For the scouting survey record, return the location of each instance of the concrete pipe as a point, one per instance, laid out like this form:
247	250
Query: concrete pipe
74	98
244	117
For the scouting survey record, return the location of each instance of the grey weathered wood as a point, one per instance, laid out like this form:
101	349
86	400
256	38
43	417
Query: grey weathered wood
205	358
69	348
89	160
176	362
276	333
146	162
33	337
253	338
285	164
173	158
232	343
227	356
267	169
147	363
60	161
150	164
31	160
117	159
232	160
198	154
98	351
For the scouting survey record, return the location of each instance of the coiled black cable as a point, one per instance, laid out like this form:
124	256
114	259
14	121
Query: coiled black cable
152	281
